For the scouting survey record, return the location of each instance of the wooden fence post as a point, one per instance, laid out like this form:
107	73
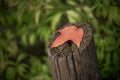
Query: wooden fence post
68	62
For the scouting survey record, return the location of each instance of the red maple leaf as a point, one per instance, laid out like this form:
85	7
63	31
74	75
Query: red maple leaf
69	33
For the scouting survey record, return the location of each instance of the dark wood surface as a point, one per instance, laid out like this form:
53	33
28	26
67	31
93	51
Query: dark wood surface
68	62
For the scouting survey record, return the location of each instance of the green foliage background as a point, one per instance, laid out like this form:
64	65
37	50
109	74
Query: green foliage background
26	26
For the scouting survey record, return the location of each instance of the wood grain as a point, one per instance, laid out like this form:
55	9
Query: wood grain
68	62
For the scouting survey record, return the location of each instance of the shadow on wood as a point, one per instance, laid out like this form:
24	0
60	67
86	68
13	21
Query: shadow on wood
68	62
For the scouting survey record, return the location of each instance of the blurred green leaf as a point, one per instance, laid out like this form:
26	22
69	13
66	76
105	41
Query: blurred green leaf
101	55
71	2
106	3
24	39
37	17
32	37
11	73
73	16
56	20
21	57
105	12
35	66
116	59
9	35
107	60
22	69
113	13
12	49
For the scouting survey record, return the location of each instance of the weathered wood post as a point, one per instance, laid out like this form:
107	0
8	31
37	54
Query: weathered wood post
69	62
